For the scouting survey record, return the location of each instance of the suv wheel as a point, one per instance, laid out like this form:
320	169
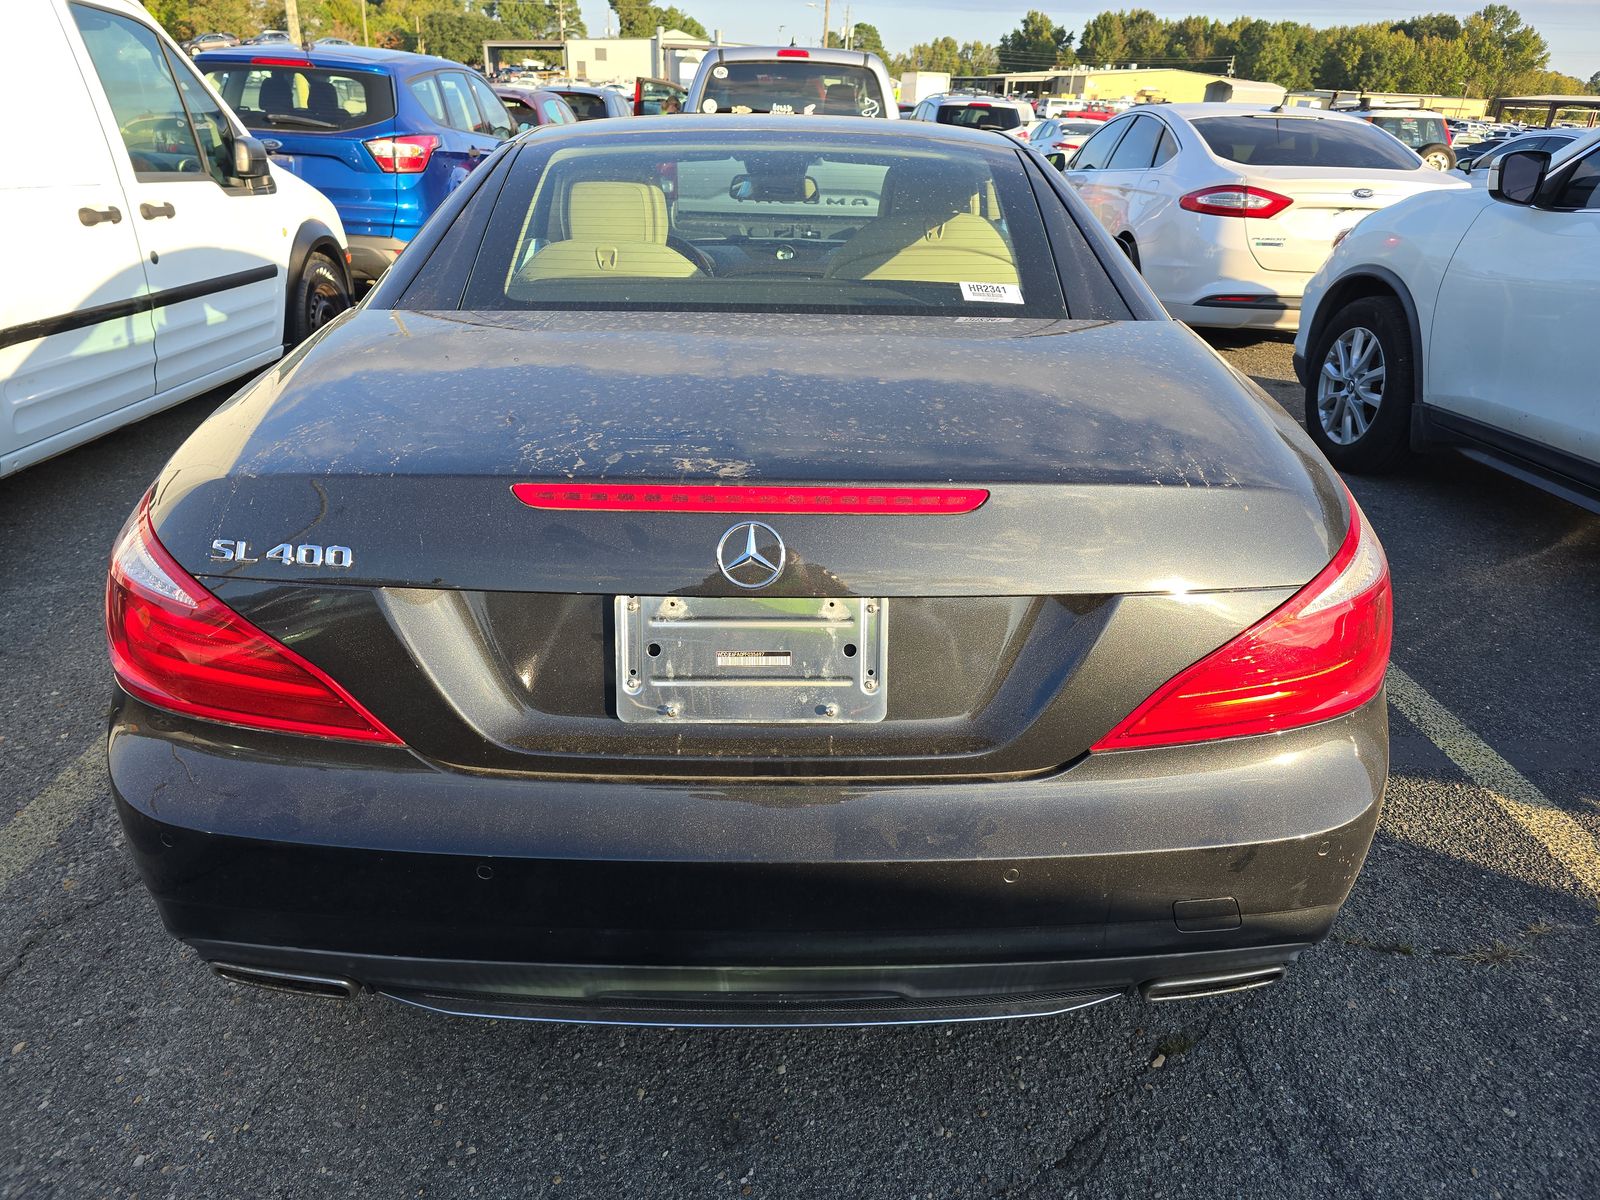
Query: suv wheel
1358	399
319	295
1438	156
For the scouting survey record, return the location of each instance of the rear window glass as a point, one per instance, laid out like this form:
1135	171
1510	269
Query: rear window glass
793	86
979	116
766	224
1415	132
1302	142
585	105
313	99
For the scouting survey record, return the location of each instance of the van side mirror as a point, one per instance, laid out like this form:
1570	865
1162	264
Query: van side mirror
1518	176
250	159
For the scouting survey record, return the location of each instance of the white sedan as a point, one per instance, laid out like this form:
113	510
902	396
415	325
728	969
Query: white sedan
1228	209
1463	320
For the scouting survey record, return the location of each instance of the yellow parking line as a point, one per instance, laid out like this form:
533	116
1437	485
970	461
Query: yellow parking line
43	819
1553	828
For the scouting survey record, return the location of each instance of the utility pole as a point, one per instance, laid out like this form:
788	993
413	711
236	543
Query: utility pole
365	40
849	30
561	23
825	21
291	18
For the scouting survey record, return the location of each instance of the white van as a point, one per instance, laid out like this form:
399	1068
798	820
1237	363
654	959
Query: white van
150	252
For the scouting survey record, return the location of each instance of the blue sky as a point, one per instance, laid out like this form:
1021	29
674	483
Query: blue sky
1572	27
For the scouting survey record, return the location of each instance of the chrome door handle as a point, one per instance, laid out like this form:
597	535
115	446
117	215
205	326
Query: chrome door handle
93	216
151	211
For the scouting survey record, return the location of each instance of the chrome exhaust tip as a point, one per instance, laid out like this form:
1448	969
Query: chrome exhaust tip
325	986
1194	987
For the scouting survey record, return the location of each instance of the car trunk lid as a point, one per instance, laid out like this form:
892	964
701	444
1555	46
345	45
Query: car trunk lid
1327	203
1142	507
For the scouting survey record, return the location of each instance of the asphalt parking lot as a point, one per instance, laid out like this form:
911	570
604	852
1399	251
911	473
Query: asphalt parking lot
1443	1043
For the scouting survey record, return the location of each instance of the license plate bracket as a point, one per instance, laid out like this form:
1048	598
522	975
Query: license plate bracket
751	660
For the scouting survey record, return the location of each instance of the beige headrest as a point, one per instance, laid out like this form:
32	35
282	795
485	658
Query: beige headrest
613	211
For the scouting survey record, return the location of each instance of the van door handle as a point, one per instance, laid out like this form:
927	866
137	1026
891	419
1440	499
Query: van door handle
151	211
93	216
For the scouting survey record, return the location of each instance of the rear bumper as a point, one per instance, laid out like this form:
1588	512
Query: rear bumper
739	902
370	257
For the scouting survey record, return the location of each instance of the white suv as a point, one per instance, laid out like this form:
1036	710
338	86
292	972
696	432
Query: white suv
792	80
1228	209
1464	319
154	253
1004	114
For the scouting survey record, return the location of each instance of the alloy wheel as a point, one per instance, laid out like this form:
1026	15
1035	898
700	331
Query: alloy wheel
1350	386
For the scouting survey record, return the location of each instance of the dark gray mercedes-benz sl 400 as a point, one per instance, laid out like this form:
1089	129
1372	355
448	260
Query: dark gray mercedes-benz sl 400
741	570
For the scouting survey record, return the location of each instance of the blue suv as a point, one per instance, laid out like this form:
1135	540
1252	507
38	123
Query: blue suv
383	134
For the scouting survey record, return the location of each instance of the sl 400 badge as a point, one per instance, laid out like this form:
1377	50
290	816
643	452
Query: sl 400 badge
304	555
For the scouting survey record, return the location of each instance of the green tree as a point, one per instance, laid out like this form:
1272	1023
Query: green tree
979	58
1594	84
639	18
1104	40
459	35
536	19
862	37
1036	45
1503	49
1434	25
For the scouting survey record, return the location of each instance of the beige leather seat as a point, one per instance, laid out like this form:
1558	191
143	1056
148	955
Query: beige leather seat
613	229
932	232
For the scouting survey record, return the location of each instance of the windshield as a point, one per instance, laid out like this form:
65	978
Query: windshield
793	86
304	98
766	224
1415	132
979	116
1303	142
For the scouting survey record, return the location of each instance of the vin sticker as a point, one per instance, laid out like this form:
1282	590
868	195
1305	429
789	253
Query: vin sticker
992	293
754	658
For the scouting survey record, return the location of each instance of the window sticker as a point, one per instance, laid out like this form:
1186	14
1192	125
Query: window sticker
719	72
992	293
708	105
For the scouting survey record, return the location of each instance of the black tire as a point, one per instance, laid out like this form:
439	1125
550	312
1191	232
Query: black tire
1437	152
318	296
1337	409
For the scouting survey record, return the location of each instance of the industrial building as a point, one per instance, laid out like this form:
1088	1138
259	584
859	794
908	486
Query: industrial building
1132	85
670	54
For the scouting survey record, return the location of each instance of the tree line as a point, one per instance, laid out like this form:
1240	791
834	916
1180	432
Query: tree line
1491	53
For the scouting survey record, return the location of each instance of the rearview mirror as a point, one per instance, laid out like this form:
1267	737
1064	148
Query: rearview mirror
1057	159
250	159
1517	177
793	189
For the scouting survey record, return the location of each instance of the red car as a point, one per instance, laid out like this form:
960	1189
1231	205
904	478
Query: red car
531	107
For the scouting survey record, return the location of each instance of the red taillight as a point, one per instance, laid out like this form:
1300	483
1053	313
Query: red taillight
1235	200
734	499
404	154
176	646
794	52
1320	655
280	62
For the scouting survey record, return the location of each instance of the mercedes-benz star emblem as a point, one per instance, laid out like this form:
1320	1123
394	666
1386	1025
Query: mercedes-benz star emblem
751	554
1362	193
